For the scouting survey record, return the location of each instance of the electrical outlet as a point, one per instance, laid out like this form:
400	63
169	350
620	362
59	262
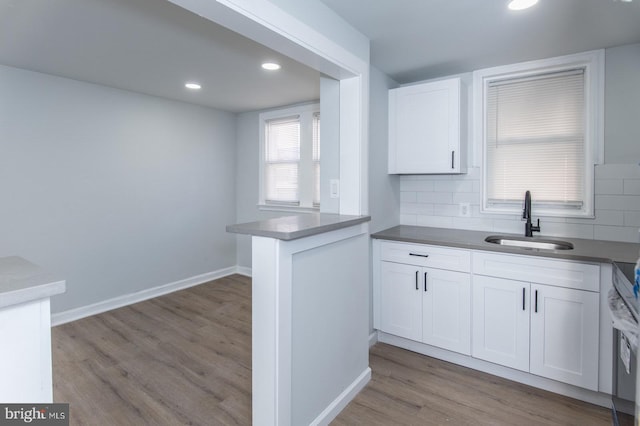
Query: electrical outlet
465	210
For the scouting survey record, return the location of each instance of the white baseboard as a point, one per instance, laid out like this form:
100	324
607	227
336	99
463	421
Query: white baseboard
373	338
338	404
597	398
149	293
243	270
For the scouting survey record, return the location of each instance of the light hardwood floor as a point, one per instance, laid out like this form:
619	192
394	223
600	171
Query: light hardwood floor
185	358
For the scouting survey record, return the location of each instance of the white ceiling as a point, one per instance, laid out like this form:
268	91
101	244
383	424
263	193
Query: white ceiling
414	40
152	47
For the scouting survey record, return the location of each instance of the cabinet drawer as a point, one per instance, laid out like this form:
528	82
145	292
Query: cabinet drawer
426	255
559	273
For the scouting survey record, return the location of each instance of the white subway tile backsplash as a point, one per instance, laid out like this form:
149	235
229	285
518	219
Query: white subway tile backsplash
508	226
622	202
473	223
446	210
632	218
466	197
408	197
617	171
559	229
416	208
609	186
603	217
408	219
616	233
433	200
453	186
415	185
435	221
632	186
435	197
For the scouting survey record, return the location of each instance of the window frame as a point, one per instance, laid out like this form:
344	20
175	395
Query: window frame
593	64
305	171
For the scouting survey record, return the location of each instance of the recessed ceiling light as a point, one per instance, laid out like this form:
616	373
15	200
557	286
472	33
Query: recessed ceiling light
521	4
193	86
271	66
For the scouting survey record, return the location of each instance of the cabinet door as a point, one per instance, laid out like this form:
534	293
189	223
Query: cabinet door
446	310
564	335
424	128
501	321
400	301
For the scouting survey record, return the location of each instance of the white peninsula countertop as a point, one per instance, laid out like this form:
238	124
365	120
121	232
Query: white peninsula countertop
22	281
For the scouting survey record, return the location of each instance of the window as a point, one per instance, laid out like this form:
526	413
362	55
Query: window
540	124
290	158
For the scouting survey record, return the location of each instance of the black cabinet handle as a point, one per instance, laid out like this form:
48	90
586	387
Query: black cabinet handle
523	291
418	255
417	288
453	156
536	310
425	281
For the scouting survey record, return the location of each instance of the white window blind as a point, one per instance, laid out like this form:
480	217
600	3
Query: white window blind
282	152
535	140
316	159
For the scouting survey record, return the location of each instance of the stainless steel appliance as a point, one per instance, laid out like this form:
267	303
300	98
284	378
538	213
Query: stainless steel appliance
624	308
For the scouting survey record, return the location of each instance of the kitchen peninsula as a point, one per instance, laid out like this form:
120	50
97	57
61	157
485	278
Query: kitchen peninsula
25	331
310	310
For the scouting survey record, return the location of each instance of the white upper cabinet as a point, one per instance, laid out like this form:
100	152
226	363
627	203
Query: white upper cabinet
425	129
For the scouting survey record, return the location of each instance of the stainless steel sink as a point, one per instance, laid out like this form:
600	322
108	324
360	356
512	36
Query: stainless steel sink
528	242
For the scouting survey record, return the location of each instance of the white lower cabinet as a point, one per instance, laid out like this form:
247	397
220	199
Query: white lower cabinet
564	335
548	331
401	310
428	305
501	321
446	310
529	313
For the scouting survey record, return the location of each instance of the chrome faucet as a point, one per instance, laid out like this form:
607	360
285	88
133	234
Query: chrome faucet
529	228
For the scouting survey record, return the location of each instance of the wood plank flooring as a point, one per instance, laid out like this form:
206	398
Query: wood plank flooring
185	358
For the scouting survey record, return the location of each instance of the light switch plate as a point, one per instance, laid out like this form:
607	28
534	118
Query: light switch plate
334	188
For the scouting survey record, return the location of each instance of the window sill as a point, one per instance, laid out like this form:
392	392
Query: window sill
291	209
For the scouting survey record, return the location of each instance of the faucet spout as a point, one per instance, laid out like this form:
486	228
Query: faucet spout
529	228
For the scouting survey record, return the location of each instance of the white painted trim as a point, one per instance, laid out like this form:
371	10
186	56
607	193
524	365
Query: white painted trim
594	65
149	293
244	270
598	398
305	114
373	338
338	404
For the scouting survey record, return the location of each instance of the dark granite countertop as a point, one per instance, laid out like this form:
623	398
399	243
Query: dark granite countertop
294	227
584	250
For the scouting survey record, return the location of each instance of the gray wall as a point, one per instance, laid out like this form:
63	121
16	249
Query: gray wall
114	191
384	189
330	145
622	105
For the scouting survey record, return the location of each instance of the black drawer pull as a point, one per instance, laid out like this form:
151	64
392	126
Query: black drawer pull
425	281
417	287
418	255
523	291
